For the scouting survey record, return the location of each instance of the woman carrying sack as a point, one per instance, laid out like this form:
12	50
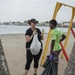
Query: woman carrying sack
30	33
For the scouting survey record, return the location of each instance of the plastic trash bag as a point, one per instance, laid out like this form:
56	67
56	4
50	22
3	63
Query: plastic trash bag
35	45
50	68
46	62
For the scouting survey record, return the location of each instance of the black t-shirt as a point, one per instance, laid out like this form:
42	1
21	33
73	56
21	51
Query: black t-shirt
30	32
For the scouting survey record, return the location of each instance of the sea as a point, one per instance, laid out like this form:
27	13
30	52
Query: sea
13	29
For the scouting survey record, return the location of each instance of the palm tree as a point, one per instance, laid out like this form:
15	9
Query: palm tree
70	70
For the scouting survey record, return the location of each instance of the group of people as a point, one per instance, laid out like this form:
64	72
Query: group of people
56	37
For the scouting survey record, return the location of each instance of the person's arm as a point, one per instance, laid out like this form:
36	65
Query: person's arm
42	34
28	38
42	37
52	46
53	39
62	38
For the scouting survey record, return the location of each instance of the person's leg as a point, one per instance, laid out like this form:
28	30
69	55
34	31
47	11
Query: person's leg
36	62
56	59
29	58
35	71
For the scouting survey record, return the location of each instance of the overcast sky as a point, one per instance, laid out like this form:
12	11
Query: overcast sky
42	10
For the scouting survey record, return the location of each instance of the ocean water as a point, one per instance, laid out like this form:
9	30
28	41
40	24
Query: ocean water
12	29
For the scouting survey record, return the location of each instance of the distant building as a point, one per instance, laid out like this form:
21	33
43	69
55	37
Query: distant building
18	23
42	24
13	23
25	22
47	23
66	23
10	23
38	24
6	23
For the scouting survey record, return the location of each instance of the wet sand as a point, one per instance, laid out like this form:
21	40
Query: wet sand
14	48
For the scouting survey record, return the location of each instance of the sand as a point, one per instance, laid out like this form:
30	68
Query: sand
14	48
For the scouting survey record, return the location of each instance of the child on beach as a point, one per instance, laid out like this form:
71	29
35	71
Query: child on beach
56	37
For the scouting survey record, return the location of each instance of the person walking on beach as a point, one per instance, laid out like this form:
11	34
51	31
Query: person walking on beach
29	38
56	37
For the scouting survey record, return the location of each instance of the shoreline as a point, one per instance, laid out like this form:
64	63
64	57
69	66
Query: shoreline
24	34
40	26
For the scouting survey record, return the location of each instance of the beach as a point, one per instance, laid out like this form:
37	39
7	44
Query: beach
15	52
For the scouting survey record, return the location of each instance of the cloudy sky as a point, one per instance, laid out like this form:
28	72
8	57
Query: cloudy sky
42	10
